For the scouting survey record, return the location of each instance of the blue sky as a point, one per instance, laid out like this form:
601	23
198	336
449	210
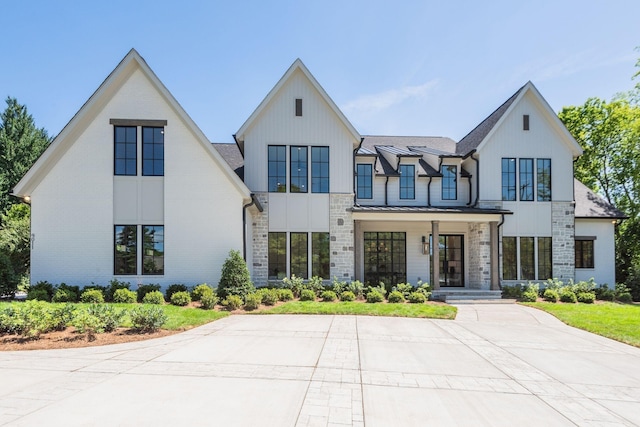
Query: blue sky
394	67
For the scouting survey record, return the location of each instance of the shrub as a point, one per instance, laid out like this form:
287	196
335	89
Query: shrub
200	290
531	291
62	316
268	296
148	318
114	285
108	316
356	287
404	288
208	300
31	318
153	297
307	295
315	284
380	289
625	297
416	298
553	284
181	298
85	323
41	291
338	286
285	294
603	293
145	289
63	295
252	301
232	302
8	277
124	295
375	296
396	297
235	278
347	296
295	284
92	296
567	295
512	291
550	295
586	297
328	296
172	289
583	286
620	289
73	292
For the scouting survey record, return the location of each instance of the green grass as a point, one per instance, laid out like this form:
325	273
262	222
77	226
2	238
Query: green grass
431	311
620	322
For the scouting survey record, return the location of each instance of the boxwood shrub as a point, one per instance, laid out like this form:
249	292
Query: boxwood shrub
181	298
92	296
396	297
307	295
153	297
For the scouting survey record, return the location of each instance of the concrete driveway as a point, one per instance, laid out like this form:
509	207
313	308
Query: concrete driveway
496	365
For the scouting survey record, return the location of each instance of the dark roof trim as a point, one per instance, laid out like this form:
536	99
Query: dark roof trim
421	209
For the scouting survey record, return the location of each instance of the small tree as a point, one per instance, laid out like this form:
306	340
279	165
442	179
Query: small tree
235	278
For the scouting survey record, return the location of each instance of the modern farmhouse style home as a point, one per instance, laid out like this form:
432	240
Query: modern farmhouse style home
131	189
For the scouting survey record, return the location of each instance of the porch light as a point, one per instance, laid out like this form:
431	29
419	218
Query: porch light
425	246
27	199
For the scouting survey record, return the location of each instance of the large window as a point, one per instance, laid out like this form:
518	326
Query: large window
535	262
298	170
449	182
152	151
126	255
385	258
277	255
126	154
509	258
277	169
153	256
365	181
509	179
320	265
319	169
526	179
407	182
299	254
527	259
544	258
584	253
544	180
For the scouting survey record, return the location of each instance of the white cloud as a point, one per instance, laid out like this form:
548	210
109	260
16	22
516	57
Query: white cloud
377	102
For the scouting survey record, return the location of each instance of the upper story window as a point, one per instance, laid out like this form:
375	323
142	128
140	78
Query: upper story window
407	182
509	179
526	180
299	168
449	182
365	181
319	169
126	152
277	169
152	151
544	180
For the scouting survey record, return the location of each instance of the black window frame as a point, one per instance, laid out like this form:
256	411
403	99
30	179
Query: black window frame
320	255
526	175
128	256
122	151
527	258
299	254
152	151
585	253
509	258
407	190
277	255
153	250
320	169
299	170
277	163
391	248
543	178
545	258
509	184
449	182
364	181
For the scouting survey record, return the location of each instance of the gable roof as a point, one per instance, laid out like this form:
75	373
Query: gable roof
591	205
297	65
481	133
232	155
109	87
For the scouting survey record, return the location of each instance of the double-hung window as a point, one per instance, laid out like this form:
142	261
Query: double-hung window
407	182
299	174
319	169
365	181
449	182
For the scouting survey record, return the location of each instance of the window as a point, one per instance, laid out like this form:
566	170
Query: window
509	179
319	169
544	180
277	169
407	182
320	265
509	258
526	179
525	122
449	182
299	254
298	107
126	155
126	244
152	151
385	258
584	253
153	256
527	259
364	181
298	169
277	255
544	258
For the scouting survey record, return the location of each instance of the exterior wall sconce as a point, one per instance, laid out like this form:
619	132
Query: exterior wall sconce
425	246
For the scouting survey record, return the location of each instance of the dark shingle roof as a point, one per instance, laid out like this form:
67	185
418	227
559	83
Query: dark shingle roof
590	205
231	154
473	139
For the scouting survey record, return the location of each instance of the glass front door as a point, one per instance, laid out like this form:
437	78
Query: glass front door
451	248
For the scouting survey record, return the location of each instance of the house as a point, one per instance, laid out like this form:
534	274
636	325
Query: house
131	189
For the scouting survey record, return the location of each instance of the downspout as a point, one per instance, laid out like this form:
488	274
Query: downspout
475	204
256	202
386	183
355	194
429	192
470	189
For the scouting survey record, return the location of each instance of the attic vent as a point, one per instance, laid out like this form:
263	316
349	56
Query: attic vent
298	107
525	122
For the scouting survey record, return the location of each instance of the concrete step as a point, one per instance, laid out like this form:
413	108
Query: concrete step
468	295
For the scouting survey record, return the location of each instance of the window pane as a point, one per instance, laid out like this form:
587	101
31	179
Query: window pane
125	253
449	182
124	154
584	253
277	255
298	170
509	259
527	269
277	169
153	244
544	258
385	258
299	255
509	179
544	180
319	169
364	181
407	182
320	263
153	151
526	179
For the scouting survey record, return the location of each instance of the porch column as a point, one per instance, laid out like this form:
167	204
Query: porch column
435	249
495	263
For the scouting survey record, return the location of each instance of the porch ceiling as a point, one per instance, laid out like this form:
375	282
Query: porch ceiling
414	213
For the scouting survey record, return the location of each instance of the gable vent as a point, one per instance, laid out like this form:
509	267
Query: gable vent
298	107
525	122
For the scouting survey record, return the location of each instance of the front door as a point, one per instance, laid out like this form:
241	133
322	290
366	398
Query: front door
451	247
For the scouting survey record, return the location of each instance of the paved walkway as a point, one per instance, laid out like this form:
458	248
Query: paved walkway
496	365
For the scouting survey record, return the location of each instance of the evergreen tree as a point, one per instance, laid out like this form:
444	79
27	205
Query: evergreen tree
235	278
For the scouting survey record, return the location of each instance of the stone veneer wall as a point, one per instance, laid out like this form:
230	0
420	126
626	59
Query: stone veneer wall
563	240
260	244
479	255
341	232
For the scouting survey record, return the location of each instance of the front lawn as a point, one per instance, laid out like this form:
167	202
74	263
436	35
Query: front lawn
428	310
620	322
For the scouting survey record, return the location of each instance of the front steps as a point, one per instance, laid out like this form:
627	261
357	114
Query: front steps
470	296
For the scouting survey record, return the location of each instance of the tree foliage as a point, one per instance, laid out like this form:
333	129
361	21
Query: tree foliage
14	247
21	143
235	278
